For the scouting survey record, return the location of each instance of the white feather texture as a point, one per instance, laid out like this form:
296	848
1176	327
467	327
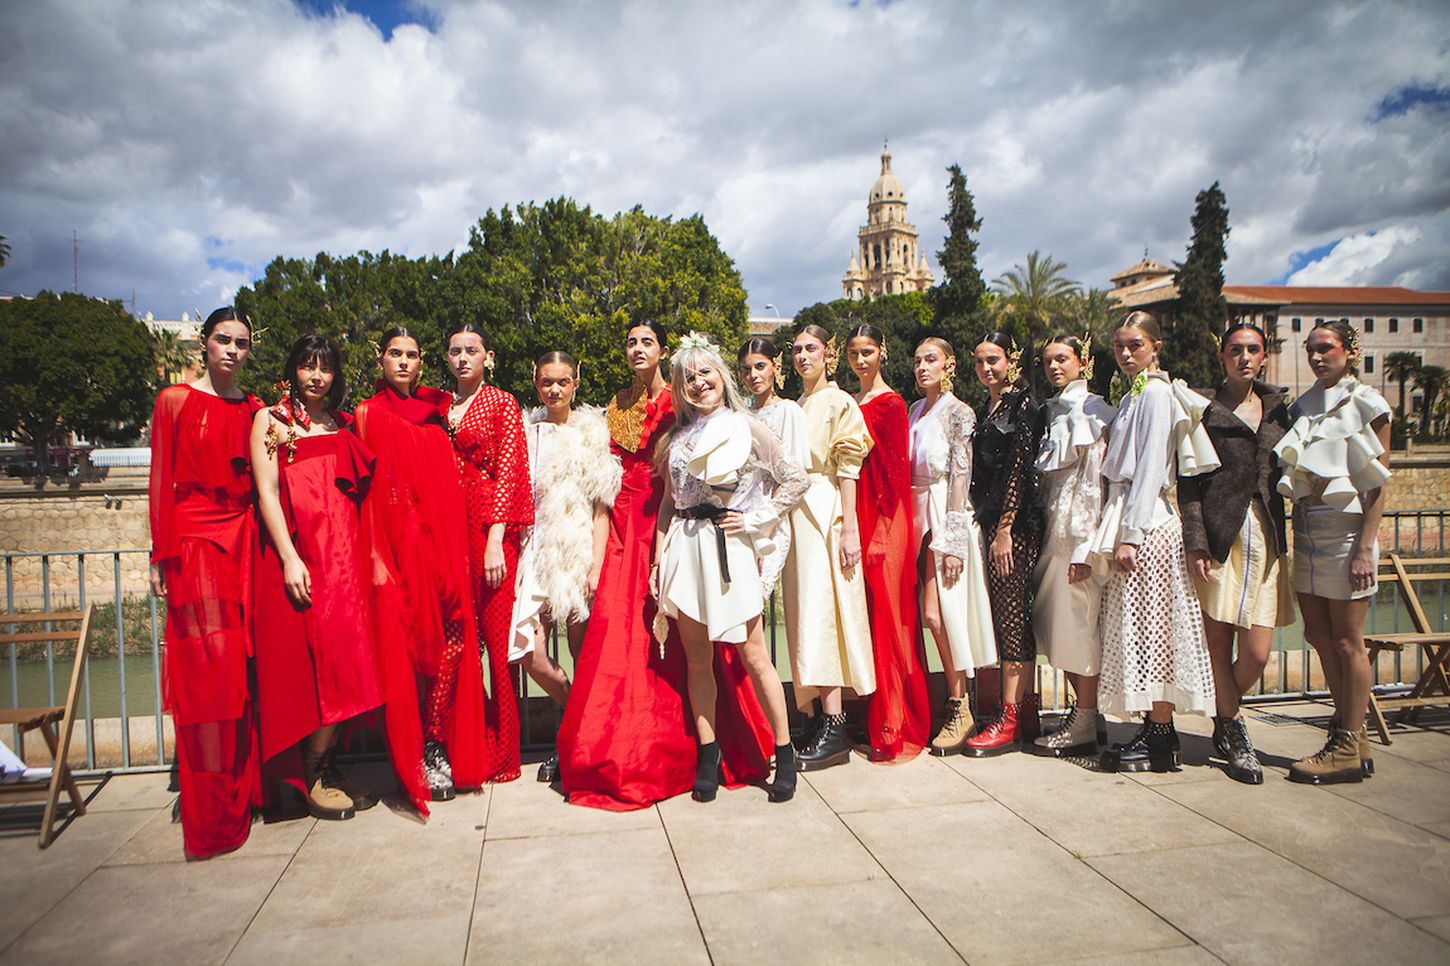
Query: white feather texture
573	470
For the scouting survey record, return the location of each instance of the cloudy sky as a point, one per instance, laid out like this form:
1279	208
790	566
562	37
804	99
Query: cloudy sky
188	143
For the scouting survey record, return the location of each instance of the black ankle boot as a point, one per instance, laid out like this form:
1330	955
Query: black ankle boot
1153	748
783	788
707	772
810	729
830	746
1231	741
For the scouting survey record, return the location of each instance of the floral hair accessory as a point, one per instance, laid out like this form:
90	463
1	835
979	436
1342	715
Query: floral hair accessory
698	340
1140	382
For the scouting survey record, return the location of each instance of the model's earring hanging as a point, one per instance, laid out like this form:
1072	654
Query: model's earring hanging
1014	364
832	358
947	382
1087	356
779	375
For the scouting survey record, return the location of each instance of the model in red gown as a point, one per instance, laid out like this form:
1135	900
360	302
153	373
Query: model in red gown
202	536
627	740
898	714
493	459
414	529
316	664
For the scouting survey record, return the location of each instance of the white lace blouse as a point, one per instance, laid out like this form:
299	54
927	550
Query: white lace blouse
733	460
1070	460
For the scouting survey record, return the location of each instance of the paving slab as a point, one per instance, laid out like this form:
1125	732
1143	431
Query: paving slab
1275	911
127	792
864	786
1441	829
159	840
619	896
837	922
1438	925
35	879
800	842
978	871
1389	862
1413	743
1407	790
1189	955
189	913
526	808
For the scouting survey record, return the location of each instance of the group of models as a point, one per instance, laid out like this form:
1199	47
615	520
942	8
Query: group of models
319	567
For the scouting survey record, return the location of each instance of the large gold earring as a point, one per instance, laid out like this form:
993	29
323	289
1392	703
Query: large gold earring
779	375
946	377
1014	364
832	358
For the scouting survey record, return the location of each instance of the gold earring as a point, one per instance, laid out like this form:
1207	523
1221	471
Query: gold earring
1014	364
946	381
779	375
832	358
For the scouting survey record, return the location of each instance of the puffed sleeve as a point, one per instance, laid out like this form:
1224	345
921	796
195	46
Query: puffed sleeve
850	440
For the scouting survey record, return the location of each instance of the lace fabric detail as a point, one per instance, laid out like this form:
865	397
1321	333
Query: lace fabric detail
1073	500
764	485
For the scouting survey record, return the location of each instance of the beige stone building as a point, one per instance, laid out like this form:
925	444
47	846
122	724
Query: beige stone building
1389	319
887	260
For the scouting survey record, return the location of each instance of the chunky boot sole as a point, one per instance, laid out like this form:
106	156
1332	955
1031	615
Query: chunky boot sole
1080	750
971	752
1366	767
948	750
1114	762
816	764
777	794
1346	777
704	794
330	814
1243	775
441	794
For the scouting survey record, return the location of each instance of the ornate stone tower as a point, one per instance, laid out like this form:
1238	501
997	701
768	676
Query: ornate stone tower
887	261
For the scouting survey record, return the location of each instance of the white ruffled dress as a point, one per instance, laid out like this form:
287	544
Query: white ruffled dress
1153	646
1064	615
732	460
1331	459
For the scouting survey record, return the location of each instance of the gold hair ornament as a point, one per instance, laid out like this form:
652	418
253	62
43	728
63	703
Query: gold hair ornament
1087	355
833	358
946	375
1014	364
779	372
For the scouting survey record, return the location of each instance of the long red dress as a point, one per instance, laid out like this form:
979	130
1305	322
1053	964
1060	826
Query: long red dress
493	458
317	665
898	715
414	525
627	739
202	536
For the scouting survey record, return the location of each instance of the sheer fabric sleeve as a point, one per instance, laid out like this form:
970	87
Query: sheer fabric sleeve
954	539
789	477
1152	437
1087	500
1019	464
512	499
850	440
162	481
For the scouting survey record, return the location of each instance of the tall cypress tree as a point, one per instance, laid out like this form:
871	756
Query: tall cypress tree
957	301
1190	343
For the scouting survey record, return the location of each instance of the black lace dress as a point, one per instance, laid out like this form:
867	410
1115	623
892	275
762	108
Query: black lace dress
1004	494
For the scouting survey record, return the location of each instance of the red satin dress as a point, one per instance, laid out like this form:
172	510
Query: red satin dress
493	459
316	665
627	739
414	529
202	537
898	715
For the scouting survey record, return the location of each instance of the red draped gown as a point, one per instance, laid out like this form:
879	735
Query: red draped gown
414	529
202	537
627	739
898	715
493	458
316	665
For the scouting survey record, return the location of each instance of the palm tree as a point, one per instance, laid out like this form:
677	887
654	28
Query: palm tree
1401	367
1431	381
1035	293
1091	313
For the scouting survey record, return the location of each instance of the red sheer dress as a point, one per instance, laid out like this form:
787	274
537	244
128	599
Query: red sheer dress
627	739
202	538
898	715
493	458
316	665
414	529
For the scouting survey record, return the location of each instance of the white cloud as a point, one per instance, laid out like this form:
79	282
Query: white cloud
1085	131
1354	259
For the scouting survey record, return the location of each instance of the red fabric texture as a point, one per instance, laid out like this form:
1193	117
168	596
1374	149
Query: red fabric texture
898	714
493	460
413	525
316	665
627	738
202	538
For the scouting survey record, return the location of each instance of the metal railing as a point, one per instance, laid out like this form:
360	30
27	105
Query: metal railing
124	728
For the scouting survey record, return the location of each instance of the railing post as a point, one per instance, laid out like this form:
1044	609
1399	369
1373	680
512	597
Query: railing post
86	671
121	664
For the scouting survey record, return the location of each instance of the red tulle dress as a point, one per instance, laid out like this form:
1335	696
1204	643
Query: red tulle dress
627	739
316	666
493	458
202	537
898	715
415	532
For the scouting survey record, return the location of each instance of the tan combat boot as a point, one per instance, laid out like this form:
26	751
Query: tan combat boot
1338	761
323	800
1366	750
955	730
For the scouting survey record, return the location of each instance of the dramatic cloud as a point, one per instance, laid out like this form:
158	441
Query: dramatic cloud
187	144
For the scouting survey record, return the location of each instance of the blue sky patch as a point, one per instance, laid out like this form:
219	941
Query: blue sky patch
1306	257
1404	99
386	15
225	264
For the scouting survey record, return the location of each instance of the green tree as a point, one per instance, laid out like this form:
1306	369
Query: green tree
173	358
958	299
1189	341
1401	367
903	319
1431	381
1092	314
1035	296
72	364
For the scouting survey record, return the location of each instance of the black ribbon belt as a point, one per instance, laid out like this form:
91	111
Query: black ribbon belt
705	511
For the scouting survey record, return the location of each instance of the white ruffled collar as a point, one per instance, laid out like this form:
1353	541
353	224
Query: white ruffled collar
719	445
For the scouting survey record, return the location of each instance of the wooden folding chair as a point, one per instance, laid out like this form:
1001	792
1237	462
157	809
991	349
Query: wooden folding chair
1433	686
45	719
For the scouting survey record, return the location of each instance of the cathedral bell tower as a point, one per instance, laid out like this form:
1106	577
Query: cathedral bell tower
887	260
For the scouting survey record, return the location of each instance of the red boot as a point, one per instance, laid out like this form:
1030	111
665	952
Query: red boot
999	736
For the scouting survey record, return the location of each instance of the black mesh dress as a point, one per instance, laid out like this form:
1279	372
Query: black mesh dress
1004	493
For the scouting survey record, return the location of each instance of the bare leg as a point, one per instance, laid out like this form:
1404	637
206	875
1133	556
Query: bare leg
768	689
700	670
1346	619
575	634
1162	712
830	700
1319	632
1085	687
1220	637
321	739
931	617
546	674
1016	676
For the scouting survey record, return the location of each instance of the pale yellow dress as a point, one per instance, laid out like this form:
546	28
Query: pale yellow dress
826	623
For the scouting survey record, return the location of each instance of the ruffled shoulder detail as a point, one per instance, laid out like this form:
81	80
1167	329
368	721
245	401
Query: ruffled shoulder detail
721	449
1076	419
1333	443
1194	449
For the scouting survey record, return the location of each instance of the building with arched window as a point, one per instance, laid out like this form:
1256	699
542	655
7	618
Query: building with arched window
887	260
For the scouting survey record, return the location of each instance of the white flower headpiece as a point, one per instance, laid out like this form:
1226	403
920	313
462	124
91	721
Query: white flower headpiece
698	340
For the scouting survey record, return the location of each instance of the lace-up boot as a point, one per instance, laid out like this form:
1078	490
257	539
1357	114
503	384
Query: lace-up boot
437	771
830	746
363	798
955	730
324	801
1001	735
811	729
549	769
1337	762
1154	748
1231	741
1076	736
1366	750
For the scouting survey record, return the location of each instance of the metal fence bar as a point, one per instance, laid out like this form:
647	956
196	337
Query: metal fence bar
121	664
14	666
86	671
156	682
49	646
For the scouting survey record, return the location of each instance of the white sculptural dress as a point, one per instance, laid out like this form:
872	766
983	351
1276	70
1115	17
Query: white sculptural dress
941	476
788	421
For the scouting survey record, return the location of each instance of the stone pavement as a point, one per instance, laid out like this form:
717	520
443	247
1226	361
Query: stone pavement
1010	860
